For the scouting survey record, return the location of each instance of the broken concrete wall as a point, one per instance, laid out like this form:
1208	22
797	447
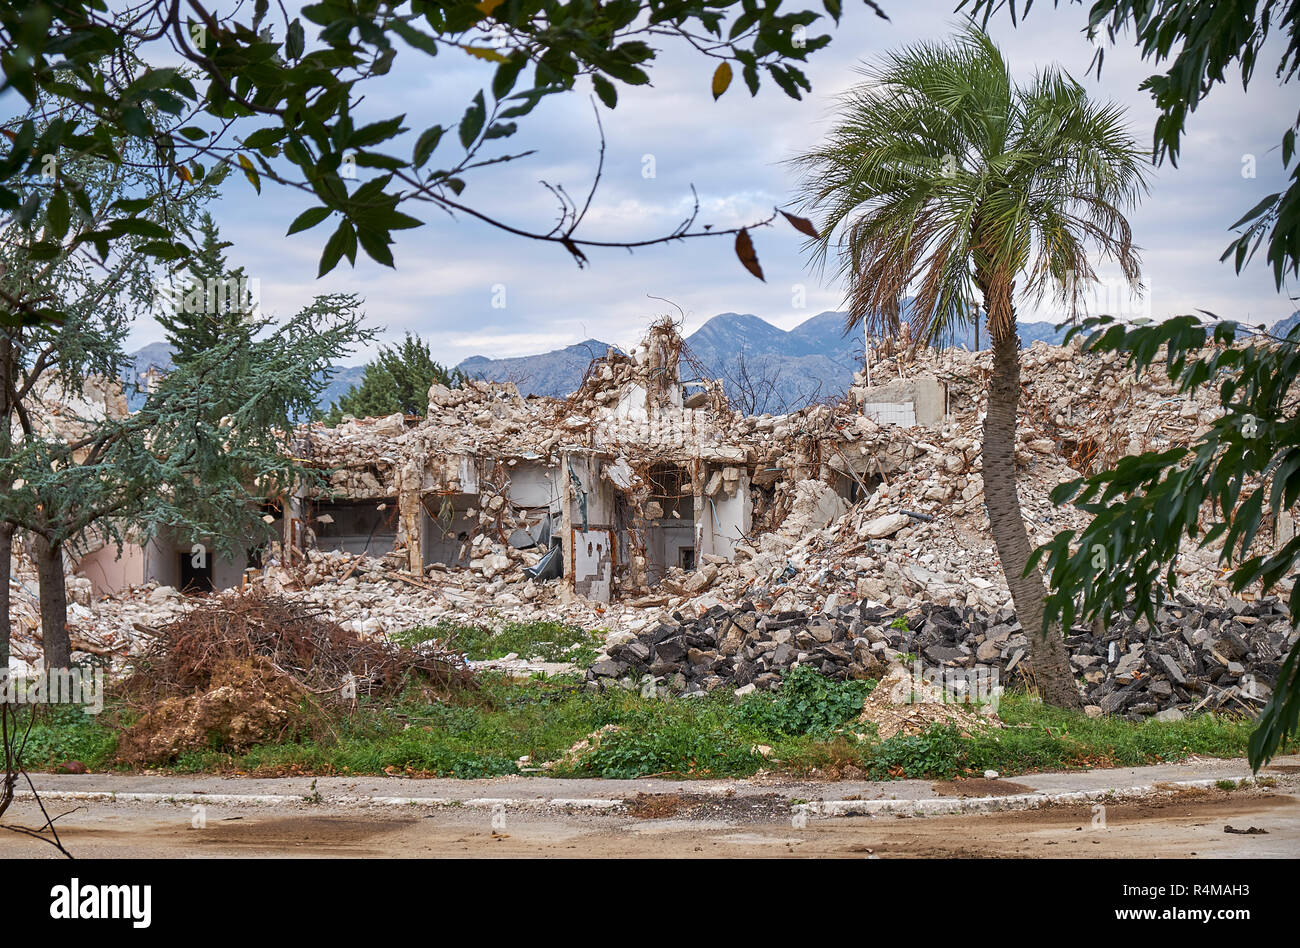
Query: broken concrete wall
110	572
354	526
449	522
533	485
906	402
725	512
167	560
588	527
535	503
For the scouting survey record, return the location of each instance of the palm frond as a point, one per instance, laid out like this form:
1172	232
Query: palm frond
941	168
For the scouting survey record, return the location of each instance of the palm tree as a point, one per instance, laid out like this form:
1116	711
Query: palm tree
943	178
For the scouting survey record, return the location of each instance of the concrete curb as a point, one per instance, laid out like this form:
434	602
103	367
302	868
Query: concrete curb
948	806
935	806
272	799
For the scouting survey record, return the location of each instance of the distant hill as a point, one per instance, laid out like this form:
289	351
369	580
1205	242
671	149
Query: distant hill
763	368
341	379
556	373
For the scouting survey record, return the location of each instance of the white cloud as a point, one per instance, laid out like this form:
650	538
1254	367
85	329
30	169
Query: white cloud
733	151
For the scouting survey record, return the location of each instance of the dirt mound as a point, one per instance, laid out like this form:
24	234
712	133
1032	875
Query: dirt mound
247	702
573	756
903	703
245	669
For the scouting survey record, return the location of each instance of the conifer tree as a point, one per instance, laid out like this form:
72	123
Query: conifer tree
397	380
212	439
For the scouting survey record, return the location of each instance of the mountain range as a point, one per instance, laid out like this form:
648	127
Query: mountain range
1284	326
763	367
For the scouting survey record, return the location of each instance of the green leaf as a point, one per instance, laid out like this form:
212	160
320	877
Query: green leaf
1258	209
472	122
506	76
44	250
376	132
426	145
29	208
58	215
500	130
336	246
296	41
164	250
605	90
308	219
376	245
135	121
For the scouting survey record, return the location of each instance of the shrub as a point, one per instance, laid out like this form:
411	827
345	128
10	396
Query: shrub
807	703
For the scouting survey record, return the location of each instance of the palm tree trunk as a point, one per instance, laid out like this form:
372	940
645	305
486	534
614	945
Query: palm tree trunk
1048	658
6	570
56	643
6	529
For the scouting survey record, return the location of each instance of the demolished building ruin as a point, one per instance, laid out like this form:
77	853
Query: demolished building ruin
643	503
632	479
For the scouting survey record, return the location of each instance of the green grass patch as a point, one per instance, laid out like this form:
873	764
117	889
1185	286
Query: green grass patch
1042	737
547	641
809	725
61	733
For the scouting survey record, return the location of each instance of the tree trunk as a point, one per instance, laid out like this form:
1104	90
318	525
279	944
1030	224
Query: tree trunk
6	529
1048	657
6	570
54	603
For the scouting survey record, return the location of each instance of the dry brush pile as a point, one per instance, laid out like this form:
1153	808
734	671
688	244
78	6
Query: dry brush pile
254	668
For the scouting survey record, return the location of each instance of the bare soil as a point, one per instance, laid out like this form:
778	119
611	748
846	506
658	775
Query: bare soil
979	787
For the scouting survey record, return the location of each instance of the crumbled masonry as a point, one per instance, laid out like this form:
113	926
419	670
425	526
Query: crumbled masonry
715	549
1197	658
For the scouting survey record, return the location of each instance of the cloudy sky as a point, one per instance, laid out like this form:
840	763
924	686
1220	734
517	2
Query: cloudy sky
450	273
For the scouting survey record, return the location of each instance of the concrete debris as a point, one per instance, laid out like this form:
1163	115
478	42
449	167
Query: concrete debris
903	703
581	749
1131	670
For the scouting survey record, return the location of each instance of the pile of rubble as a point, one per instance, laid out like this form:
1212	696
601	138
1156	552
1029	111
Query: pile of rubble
1092	408
91	633
1195	658
918	490
904	702
366	595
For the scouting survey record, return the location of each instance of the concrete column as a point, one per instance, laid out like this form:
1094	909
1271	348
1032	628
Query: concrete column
410	512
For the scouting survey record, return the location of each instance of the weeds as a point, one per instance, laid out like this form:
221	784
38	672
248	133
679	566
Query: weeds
807	703
547	641
809	724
